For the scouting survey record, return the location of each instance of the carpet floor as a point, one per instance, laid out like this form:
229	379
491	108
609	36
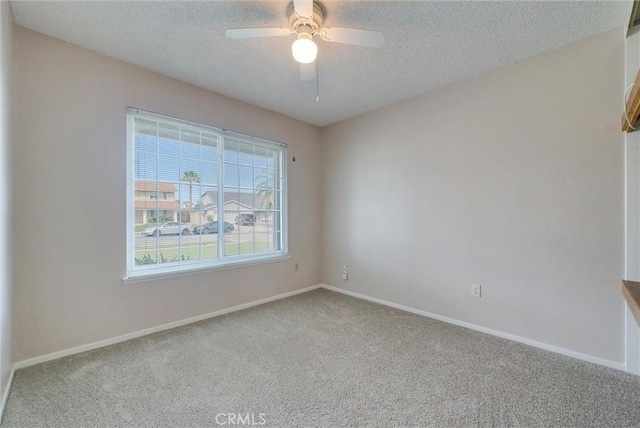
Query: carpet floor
321	359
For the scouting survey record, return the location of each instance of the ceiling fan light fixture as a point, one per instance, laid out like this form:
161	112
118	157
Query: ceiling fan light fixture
304	50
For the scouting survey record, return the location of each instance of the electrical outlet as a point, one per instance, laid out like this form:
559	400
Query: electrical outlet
297	267
345	272
476	290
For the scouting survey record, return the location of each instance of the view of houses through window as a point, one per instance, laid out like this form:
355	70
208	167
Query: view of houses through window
201	196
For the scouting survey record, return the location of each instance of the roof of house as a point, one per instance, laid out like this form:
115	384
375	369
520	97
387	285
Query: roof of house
150	186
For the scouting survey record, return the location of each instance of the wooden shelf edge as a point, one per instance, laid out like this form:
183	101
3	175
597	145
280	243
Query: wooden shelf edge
631	293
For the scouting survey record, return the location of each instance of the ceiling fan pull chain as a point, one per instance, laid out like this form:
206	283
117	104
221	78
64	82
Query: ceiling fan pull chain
317	84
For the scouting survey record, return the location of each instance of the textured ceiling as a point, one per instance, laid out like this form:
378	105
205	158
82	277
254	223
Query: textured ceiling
428	45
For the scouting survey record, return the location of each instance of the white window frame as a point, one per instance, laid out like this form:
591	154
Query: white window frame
147	272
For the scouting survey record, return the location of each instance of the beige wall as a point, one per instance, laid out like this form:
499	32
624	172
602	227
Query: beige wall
513	180
6	360
69	157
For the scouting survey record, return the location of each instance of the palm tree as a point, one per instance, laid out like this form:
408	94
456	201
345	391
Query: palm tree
190	177
266	193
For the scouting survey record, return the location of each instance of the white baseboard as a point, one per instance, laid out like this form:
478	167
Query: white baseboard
530	342
5	395
631	342
136	334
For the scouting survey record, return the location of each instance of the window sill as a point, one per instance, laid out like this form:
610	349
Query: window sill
144	276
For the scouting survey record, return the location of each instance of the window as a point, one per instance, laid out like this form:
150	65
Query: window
200	197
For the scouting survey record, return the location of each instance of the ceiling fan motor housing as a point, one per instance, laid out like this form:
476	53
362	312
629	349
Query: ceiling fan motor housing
315	22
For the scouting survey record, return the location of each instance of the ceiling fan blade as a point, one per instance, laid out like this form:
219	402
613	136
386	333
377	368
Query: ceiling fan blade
249	33
308	71
351	36
304	8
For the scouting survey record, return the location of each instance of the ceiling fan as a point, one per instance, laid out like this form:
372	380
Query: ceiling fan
306	19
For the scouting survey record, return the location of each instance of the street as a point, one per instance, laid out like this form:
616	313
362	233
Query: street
239	234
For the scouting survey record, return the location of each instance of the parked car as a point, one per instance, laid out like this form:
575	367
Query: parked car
245	219
212	227
169	228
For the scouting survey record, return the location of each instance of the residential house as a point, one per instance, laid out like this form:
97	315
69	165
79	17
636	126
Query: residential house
153	204
234	205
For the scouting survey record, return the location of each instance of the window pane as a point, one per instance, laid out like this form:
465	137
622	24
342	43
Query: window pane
231	175
245	154
210	140
209	173
245	177
261	180
145	250
230	215
169	139
209	148
262	153
145	222
208	199
230	150
145	126
273	201
246	243
275	231
146	142
273	158
190	171
190	135
169	132
231	207
231	244
205	221
169	169
145	165
190	150
262	240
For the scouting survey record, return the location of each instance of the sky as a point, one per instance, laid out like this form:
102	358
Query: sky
166	158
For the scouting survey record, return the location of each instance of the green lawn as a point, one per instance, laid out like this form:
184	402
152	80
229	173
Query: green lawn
192	252
141	227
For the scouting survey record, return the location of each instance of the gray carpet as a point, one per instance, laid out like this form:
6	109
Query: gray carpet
321	359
